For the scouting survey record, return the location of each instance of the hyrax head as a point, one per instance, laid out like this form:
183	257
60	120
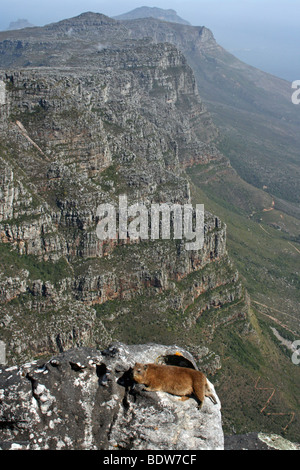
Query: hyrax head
139	372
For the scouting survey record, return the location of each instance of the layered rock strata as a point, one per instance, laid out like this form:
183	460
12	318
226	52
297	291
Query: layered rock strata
73	138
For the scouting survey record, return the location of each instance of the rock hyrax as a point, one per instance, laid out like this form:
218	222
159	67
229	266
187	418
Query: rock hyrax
175	380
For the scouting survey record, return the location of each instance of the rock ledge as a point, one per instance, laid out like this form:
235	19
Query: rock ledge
85	399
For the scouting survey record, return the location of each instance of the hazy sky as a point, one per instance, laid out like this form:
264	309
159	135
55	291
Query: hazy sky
265	33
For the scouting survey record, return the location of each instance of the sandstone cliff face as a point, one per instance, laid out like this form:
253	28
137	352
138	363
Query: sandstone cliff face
196	38
128	121
85	399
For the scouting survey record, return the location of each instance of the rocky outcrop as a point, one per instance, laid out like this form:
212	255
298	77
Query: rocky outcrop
196	38
85	399
259	441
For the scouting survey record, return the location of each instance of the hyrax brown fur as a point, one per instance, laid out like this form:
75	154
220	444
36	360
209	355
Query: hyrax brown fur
179	381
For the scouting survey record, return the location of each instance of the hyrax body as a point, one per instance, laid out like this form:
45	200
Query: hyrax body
179	381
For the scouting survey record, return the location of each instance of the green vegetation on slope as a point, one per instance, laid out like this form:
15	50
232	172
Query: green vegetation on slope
266	257
263	246
11	263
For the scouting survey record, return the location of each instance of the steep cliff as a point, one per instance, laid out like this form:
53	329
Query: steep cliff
127	119
252	109
73	138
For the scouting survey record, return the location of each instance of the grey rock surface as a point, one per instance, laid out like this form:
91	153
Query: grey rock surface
259	441
86	399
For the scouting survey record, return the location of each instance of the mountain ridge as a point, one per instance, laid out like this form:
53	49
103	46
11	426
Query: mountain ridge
239	88
153	12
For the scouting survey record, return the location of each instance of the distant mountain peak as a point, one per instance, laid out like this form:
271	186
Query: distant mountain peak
84	20
19	24
153	12
90	15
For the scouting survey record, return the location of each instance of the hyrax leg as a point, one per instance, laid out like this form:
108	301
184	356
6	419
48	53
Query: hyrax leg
198	390
151	389
184	398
